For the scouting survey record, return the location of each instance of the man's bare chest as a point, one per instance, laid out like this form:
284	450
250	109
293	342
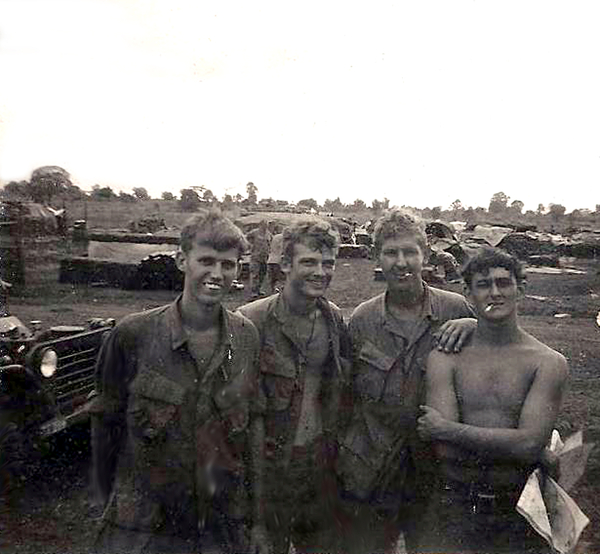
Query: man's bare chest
494	382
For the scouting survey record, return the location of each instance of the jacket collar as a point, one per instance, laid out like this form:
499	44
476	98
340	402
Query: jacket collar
179	336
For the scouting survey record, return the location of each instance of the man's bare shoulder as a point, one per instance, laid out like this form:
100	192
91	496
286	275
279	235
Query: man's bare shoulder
547	359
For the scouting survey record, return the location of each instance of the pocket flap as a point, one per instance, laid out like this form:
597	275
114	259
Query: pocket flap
151	384
371	355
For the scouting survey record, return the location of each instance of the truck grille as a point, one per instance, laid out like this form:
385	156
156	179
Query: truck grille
74	378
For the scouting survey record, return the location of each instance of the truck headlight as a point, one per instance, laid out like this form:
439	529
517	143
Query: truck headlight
49	363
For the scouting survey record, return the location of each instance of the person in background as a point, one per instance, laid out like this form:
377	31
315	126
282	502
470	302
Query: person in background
174	431
274	274
490	413
260	240
304	362
382	466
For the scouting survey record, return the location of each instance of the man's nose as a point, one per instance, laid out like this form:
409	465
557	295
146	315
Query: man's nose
217	271
400	259
319	269
494	290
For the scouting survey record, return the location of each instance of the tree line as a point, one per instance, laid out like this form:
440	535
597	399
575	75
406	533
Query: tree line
53	183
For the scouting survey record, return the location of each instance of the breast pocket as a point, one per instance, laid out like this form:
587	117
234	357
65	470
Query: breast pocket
278	378
373	367
154	406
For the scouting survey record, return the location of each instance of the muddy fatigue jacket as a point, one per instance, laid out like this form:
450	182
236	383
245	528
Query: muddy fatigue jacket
281	380
160	426
389	359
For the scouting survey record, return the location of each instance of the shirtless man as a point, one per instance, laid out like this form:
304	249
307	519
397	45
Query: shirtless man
304	349
490	412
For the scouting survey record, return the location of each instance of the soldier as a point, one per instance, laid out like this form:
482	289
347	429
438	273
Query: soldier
490	412
274	273
304	349
260	239
381	462
172	422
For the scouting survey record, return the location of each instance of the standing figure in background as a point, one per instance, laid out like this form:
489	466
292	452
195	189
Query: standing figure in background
173	429
275	276
303	367
490	413
260	240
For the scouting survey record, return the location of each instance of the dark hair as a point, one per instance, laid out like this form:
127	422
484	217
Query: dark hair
315	234
486	259
397	223
212	228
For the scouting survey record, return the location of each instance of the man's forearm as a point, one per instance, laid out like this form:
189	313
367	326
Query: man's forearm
517	444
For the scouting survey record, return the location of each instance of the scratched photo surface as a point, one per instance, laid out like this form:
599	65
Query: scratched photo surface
120	119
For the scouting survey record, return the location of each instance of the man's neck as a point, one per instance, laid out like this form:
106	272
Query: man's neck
406	301
197	316
498	333
299	304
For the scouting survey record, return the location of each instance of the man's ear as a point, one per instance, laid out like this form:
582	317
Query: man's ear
180	258
521	288
467	292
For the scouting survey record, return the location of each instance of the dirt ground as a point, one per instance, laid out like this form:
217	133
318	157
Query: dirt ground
54	513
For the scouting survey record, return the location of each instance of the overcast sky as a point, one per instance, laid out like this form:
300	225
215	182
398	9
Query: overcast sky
420	102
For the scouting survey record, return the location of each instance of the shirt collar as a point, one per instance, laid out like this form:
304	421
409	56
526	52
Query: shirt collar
178	335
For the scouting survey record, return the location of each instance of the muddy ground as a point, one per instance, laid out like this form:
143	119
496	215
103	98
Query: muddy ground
53	512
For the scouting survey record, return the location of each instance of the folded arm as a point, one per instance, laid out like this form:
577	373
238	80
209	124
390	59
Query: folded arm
524	443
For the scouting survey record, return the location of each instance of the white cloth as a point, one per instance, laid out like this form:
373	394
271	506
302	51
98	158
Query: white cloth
545	503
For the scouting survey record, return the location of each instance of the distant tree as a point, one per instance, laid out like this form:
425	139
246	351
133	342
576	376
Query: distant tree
456	209
380	205
597	209
541	210
333	205
516	207
238	198
126	197
208	196
72	192
359	204
141	193
48	181
252	191
469	214
16	190
436	212
227	201
456	206
556	211
498	203
102	193
309	203
166	195
190	201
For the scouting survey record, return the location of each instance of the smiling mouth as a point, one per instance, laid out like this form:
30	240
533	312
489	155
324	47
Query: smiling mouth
213	286
491	307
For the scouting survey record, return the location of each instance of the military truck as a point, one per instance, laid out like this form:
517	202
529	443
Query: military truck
46	383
